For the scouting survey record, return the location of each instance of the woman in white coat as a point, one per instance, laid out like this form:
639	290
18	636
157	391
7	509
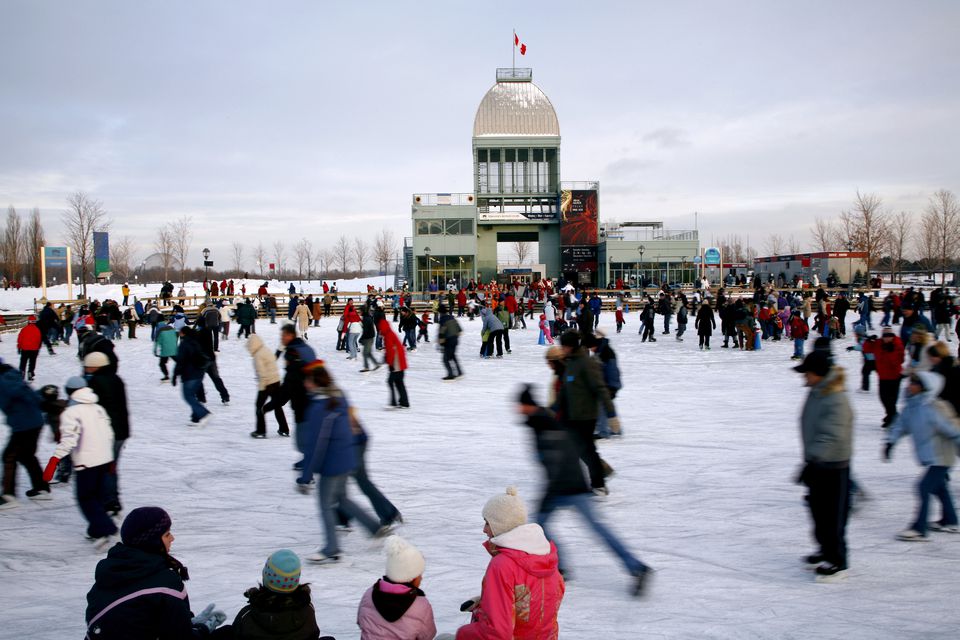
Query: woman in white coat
302	317
268	388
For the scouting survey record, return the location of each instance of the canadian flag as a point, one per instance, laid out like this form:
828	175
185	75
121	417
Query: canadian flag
517	43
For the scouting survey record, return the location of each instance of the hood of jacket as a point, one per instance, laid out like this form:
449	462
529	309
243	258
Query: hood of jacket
528	538
932	386
84	395
254	343
834	381
125	565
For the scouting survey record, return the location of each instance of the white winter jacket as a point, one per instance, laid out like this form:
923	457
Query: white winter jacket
264	362
225	313
85	431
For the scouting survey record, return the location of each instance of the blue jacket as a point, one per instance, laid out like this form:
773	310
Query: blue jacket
18	401
329	448
935	437
596	305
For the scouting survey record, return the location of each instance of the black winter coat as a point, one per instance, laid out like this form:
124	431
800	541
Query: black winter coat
112	396
95	343
277	616
559	455
705	322
161	608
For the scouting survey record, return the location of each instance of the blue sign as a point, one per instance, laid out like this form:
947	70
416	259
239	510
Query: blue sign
55	256
711	256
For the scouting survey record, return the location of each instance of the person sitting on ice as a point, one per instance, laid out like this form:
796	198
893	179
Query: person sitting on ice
280	607
395	607
522	588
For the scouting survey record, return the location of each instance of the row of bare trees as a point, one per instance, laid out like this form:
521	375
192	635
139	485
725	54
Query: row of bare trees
931	237
20	246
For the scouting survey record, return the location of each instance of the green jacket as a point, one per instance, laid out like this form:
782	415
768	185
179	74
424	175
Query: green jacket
582	388
165	345
246	314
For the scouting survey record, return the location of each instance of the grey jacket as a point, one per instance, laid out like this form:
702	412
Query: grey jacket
490	321
826	423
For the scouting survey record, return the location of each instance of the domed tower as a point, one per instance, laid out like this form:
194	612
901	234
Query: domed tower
516	169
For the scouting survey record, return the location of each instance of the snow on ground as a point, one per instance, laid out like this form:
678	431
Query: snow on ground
704	493
22	300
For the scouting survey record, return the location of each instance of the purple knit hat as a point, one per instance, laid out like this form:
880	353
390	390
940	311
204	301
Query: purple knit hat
144	527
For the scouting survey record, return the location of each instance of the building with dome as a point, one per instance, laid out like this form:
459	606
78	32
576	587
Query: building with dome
518	205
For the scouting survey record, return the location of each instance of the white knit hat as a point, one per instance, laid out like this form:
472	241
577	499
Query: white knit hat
404	561
96	359
505	512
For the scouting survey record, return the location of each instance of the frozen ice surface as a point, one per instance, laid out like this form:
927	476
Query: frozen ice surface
703	492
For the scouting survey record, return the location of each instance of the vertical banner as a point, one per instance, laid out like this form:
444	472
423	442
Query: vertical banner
101	252
580	218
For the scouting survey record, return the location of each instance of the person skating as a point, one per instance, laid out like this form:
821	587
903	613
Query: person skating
191	363
395	606
112	396
826	429
86	436
28	345
888	354
448	337
931	421
522	588
386	511
165	347
139	591
268	388
491	331
599	346
280	608
566	486
647	317
330	454
89	341
246	317
682	323
368	335
296	355
21	406
396	360
704	323
205	340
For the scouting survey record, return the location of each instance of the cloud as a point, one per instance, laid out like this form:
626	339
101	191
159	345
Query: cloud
667	138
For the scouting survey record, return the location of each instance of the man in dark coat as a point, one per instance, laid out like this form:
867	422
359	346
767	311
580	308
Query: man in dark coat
191	364
90	341
112	396
296	355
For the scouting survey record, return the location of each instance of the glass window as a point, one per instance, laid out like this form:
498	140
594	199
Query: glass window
423	228
436	227
482	184
466	227
538	155
451	227
494	155
508	176
494	177
522	155
511	155
481	155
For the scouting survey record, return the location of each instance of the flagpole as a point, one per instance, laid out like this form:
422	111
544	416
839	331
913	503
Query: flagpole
513	46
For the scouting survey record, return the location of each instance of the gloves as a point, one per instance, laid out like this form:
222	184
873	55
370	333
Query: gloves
50	469
209	618
614	424
470	604
887	451
303	487
850	348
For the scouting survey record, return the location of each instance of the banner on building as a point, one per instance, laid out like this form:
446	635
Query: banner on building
579	217
101	252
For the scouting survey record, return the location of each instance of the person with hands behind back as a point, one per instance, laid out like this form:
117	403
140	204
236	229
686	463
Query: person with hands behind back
139	592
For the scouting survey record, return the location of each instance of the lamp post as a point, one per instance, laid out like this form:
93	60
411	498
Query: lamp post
426	253
206	267
640	250
849	269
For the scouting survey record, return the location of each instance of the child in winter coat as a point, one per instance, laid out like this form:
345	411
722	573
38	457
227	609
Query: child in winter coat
422	325
619	317
394	607
28	345
933	424
545	337
522	588
681	321
86	436
280	607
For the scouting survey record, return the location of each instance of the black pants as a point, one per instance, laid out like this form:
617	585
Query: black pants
704	341
829	502
869	366
244	331
215	334
214	374
583	431
398	391
163	366
272	392
486	349
889	391
22	448
91	484
506	339
131	329
28	363
450	358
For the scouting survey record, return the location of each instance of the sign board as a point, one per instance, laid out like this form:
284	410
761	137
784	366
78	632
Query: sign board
711	256
101	252
55	257
578	258
513	216
579	217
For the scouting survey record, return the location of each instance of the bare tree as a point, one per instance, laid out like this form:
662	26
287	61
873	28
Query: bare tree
35	240
311	258
928	252
279	259
238	258
522	252
793	245
121	255
260	255
340	254
163	246
824	235
383	248
943	217
318	257
12	246
898	240
83	216
182	237
774	245
301	253
360	254
866	227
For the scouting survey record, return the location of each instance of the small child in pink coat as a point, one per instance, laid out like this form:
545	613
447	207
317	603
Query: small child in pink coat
545	337
395	608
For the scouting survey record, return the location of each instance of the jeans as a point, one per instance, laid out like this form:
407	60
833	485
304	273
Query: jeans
886	318
163	367
944	328
398	391
352	344
368	353
829	506
332	494
22	448
28	363
798	347
273	315
67	332
272	392
190	390
666	323
111	490
385	510
868	367
581	502
934	482
410	338
91	486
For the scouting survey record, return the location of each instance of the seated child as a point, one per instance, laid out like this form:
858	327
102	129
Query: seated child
395	607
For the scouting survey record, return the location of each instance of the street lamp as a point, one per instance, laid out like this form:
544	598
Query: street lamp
640	250
206	266
426	253
849	269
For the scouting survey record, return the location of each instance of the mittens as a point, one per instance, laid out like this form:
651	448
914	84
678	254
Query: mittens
50	469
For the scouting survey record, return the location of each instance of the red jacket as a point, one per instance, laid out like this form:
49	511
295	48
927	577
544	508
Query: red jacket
29	338
461	299
798	328
889	362
522	590
511	304
393	352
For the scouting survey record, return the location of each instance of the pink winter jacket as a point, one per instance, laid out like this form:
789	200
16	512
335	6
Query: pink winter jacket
416	623
522	589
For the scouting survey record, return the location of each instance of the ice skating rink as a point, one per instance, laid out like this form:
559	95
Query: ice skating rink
704	492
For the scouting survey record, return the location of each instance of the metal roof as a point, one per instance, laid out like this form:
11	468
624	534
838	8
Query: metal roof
515	109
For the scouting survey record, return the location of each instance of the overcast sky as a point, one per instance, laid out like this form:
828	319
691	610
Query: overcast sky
289	119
